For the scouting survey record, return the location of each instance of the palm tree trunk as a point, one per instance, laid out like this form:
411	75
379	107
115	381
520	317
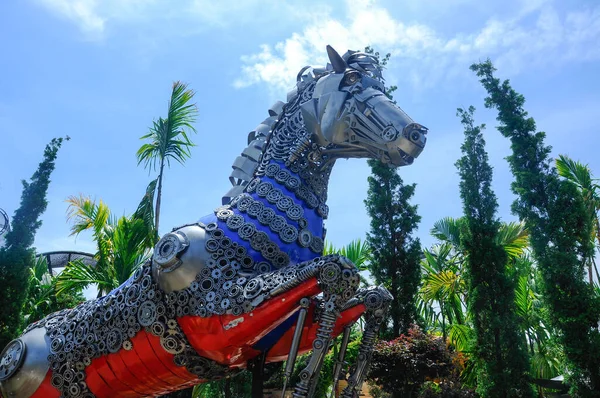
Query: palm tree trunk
596	269
597	229
443	321
530	340
593	262
158	195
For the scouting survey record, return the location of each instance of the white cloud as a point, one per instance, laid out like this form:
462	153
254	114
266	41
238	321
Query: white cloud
535	35
183	17
223	14
93	16
83	12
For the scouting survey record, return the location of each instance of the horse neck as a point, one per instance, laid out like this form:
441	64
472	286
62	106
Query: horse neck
289	181
290	151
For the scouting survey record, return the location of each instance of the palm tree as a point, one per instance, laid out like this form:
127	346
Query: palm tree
442	297
123	246
443	294
41	296
581	176
169	139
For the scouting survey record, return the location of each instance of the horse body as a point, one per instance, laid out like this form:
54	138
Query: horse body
243	281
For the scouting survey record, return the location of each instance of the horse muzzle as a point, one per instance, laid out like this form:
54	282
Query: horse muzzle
387	127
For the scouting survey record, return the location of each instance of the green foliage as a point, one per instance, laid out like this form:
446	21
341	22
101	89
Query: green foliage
443	289
445	389
123	245
556	217
145	212
402	366
41	297
238	386
17	257
581	175
395	252
491	301
356	251
169	137
532	314
442	296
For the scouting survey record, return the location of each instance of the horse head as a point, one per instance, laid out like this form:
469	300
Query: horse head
351	116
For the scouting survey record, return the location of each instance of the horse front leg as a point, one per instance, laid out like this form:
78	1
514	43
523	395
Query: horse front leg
372	303
376	301
338	281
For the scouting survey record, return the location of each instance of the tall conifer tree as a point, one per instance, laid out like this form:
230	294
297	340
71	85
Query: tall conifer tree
18	256
491	299
559	227
395	252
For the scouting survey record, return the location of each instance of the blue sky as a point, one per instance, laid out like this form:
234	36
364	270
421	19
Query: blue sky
100	71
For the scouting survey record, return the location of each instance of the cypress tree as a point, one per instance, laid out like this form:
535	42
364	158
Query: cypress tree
18	256
395	253
559	228
491	299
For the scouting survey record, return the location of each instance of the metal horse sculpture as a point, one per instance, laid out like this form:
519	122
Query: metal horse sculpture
246	282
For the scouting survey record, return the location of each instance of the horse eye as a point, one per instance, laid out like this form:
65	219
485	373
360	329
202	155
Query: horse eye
351	78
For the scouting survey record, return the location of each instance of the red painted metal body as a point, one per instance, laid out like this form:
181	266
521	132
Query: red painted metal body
279	352
216	337
46	390
148	370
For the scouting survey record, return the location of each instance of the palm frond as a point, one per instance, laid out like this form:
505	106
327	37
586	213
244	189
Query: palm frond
77	276
430	263
441	285
523	297
514	237
448	230
145	212
182	113
129	252
575	172
39	271
86	214
545	365
460	336
356	251
169	137
428	312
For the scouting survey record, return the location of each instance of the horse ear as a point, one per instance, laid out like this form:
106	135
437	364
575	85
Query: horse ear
338	63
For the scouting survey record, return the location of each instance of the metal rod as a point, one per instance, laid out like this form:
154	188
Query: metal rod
313	386
340	362
289	365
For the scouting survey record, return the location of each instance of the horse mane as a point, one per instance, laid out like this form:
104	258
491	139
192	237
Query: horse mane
248	161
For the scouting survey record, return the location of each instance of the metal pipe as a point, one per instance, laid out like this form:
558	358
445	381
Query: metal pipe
289	365
313	386
340	362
